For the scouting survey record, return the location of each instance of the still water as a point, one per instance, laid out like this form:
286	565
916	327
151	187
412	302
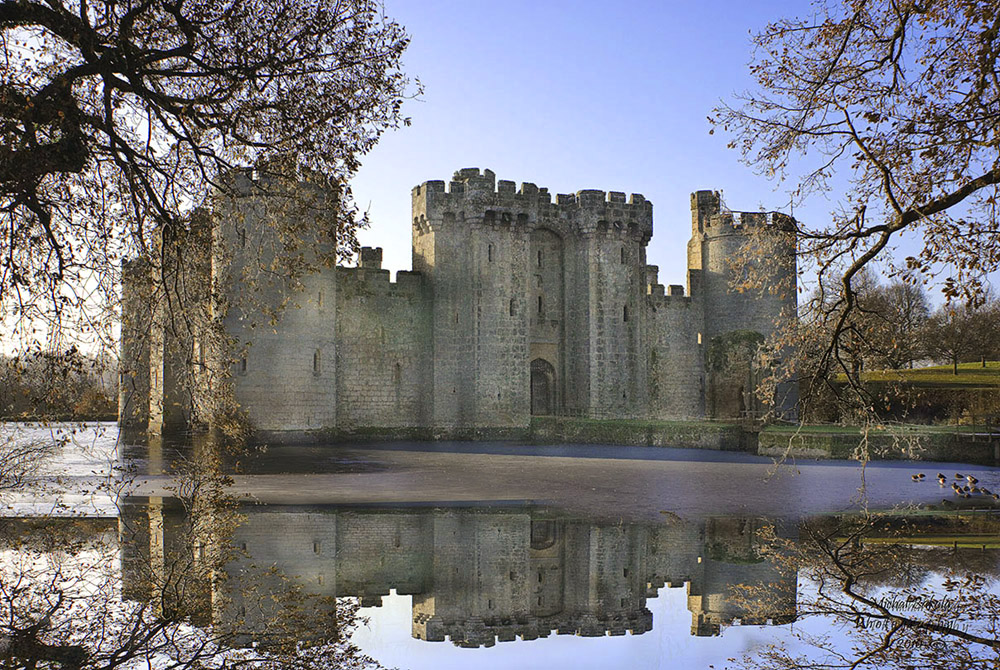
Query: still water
502	556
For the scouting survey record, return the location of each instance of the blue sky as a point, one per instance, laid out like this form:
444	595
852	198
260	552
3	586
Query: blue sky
573	95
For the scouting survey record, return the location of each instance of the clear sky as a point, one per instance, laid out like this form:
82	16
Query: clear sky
573	95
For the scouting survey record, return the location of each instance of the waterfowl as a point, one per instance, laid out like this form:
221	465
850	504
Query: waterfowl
972	480
958	476
921	475
915	478
941	476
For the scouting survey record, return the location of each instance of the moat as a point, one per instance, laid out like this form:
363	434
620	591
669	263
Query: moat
500	555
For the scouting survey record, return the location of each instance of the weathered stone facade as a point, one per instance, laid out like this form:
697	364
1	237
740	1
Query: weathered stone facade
476	576
518	304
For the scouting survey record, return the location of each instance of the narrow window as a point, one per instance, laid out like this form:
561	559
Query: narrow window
489	253
625	572
316	362
489	604
623	255
397	374
512	307
512	576
539	305
624	312
243	365
539	258
317	547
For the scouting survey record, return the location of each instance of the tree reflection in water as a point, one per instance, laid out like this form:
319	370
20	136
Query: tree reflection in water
80	593
478	576
198	580
905	592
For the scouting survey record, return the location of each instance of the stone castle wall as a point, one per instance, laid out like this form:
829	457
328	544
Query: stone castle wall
518	304
476	576
382	349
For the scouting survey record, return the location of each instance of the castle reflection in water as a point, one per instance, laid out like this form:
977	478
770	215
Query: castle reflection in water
476	576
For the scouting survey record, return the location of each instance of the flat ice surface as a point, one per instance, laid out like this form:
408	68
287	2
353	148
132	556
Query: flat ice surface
84	475
593	480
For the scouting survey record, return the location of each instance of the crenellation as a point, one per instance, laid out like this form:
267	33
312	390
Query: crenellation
516	306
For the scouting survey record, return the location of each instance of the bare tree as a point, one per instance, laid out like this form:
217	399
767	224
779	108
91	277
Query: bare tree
64	603
951	334
863	576
117	117
891	108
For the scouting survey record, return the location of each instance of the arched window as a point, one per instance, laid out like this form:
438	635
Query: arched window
512	307
540	311
489	253
623	255
625	313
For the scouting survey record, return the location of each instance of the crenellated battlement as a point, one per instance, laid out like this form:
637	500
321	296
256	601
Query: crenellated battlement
475	197
370	277
476	631
730	223
710	217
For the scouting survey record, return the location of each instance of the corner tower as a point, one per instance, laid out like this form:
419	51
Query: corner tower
723	244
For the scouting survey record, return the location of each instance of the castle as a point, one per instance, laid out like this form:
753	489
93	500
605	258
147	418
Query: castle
476	576
518	304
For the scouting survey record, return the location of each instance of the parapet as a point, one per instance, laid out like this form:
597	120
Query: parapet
371	279
475	197
370	257
731	223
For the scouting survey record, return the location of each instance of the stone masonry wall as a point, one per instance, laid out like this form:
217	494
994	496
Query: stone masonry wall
508	283
675	357
383	349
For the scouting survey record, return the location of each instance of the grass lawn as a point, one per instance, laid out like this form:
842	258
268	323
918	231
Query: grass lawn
970	375
888	428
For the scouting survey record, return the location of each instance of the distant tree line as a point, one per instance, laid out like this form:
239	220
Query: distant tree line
894	327
58	385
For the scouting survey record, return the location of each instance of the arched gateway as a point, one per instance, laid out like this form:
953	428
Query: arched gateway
543	387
